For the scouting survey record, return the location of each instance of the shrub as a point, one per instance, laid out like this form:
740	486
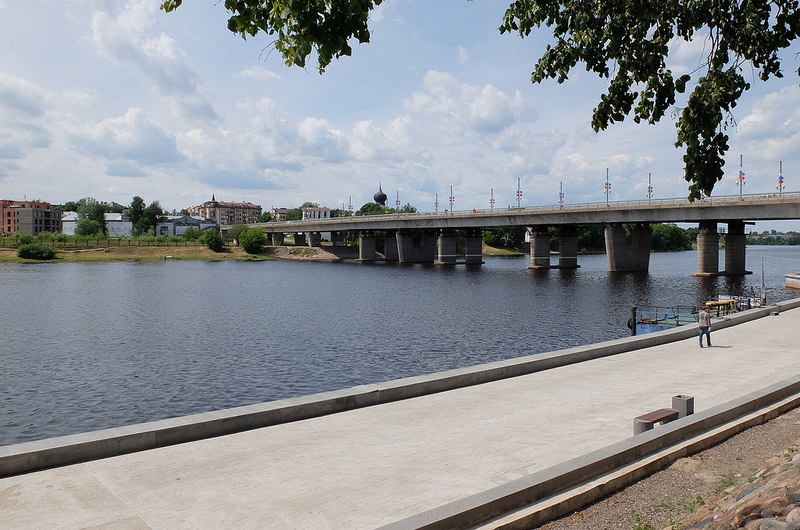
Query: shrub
32	251
236	231
192	233
22	239
212	240
252	240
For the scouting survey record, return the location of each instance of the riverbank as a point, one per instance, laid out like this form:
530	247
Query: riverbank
135	253
162	253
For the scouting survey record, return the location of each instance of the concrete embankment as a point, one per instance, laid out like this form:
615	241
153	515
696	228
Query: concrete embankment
31	456
442	450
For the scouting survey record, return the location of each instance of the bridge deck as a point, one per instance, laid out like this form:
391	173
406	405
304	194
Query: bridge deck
377	465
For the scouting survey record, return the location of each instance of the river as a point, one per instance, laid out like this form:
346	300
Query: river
98	345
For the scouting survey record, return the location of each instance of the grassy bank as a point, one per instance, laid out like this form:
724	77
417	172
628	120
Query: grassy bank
9	255
163	253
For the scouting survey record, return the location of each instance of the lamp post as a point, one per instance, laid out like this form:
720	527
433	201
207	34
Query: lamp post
741	177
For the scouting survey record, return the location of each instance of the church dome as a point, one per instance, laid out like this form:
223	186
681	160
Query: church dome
380	197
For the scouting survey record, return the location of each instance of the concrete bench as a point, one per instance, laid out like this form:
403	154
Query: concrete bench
645	422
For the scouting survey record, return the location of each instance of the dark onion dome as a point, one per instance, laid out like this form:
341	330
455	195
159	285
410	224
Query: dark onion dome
380	197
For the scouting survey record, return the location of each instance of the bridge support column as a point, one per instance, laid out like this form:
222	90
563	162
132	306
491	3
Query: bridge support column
337	239
473	247
628	257
540	247
300	239
707	249
366	246
314	239
390	247
568	247
277	239
417	246
735	249
446	246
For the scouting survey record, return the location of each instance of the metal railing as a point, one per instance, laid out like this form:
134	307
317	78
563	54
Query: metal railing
585	206
666	317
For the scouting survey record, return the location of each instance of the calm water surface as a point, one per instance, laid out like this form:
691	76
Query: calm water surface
98	345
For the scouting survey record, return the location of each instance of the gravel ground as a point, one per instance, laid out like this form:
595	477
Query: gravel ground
668	497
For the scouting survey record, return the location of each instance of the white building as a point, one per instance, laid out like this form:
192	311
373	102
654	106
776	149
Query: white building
316	214
68	222
118	225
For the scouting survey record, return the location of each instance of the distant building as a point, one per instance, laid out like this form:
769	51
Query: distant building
28	217
118	224
316	214
69	221
227	213
176	225
279	214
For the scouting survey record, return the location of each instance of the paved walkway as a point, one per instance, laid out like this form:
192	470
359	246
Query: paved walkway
373	466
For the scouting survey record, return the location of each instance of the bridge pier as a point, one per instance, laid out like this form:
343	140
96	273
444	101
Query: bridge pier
314	239
390	247
735	249
300	239
416	246
540	247
366	246
628	257
446	246
337	239
568	247
707	249
473	247
277	239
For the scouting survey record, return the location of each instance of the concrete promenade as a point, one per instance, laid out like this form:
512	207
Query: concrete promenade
377	465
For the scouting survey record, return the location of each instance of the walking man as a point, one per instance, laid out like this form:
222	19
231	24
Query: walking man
704	322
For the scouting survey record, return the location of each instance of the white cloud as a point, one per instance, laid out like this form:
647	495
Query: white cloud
19	96
259	73
468	107
126	37
133	137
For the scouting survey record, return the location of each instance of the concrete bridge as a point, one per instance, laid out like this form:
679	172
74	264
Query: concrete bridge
431	237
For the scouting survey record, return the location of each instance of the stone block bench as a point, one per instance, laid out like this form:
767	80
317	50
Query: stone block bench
645	422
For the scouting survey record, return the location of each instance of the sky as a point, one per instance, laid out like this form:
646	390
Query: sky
111	99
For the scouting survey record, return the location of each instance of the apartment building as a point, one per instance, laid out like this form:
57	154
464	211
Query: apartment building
28	217
227	213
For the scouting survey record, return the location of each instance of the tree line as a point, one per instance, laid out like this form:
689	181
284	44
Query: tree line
591	238
92	222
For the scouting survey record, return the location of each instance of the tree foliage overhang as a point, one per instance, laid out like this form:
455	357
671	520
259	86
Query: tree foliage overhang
627	41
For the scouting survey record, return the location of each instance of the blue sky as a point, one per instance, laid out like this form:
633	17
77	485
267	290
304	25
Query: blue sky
112	99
